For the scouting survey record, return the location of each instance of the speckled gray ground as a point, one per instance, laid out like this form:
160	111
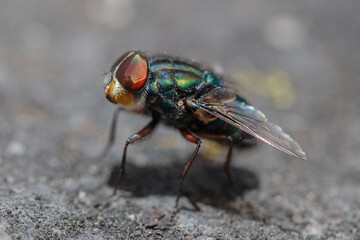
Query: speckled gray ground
54	119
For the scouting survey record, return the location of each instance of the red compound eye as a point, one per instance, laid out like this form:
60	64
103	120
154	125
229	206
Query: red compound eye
132	72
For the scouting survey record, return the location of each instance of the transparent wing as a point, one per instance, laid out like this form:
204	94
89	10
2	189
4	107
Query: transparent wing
226	105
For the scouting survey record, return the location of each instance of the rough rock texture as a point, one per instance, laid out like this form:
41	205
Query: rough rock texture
299	62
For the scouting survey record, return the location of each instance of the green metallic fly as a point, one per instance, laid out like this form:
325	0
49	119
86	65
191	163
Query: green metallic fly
191	98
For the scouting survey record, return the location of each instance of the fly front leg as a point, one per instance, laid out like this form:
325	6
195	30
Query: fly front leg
188	136
111	138
132	139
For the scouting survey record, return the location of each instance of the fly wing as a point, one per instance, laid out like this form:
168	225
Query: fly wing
226	105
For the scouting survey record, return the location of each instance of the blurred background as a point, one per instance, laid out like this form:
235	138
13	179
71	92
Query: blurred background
298	62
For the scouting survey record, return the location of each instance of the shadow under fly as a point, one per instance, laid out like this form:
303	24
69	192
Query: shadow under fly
204	183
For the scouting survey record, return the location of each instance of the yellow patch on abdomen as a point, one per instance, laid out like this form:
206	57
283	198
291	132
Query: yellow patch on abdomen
203	116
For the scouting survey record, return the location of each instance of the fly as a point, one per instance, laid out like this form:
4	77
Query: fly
191	98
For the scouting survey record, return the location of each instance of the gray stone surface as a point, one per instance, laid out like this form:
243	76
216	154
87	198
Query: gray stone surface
54	119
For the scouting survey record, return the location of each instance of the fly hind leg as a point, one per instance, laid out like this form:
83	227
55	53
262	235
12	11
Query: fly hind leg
237	137
227	163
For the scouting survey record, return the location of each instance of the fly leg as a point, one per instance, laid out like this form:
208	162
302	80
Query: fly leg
235	137
132	139
230	140
227	163
111	138
188	136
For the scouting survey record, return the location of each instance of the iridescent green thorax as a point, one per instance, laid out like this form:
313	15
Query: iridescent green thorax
174	73
171	81
183	75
